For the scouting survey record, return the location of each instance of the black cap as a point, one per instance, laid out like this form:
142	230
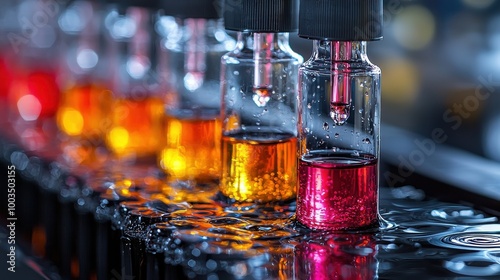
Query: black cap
152	4
341	20
261	15
208	9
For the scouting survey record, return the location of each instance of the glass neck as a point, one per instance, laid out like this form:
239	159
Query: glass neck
263	42
340	51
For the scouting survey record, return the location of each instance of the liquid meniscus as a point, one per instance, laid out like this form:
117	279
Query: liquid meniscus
259	167
338	191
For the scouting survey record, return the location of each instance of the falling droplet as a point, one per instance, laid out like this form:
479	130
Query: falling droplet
339	113
325	126
261	96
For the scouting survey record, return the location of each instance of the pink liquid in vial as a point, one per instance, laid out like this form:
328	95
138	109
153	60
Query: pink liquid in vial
338	191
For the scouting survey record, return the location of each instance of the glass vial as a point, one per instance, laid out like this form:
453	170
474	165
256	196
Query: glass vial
85	94
339	116
137	106
259	90
193	41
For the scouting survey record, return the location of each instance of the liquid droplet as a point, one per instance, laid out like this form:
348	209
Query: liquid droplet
336	135
339	113
236	73
261	96
309	106
366	141
325	126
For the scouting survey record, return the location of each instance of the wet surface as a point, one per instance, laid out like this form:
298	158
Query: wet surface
418	239
191	232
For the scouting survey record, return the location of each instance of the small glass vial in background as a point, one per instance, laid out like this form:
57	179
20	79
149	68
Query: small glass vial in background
259	89
84	78
339	119
193	41
137	107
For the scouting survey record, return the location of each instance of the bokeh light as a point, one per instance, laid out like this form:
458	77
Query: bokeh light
414	27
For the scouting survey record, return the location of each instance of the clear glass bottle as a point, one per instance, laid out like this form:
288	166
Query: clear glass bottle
339	119
193	41
259	90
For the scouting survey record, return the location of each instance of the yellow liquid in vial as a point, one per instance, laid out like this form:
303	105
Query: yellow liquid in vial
136	127
84	110
192	149
259	169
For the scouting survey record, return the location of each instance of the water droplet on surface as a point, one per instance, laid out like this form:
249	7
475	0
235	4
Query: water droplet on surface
337	135
325	126
471	241
309	106
236	73
366	141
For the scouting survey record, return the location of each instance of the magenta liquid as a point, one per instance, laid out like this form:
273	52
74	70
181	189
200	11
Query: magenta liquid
338	191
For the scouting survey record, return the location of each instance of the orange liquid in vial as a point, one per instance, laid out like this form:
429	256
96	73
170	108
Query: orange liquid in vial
84	110
192	148
136	127
259	167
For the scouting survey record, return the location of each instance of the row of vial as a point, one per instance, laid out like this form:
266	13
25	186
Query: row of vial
165	80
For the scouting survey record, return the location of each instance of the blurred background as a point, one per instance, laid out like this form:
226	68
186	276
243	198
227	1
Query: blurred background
440	62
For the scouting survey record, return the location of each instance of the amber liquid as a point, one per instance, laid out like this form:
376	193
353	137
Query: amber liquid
259	167
84	110
192	148
136	127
